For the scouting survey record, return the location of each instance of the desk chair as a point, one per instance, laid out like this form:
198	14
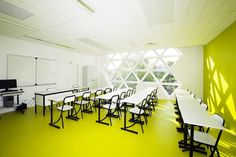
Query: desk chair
192	95
107	90
85	105
205	138
137	112
154	99
68	105
199	100
75	88
115	88
112	108
133	91
128	93
95	101
50	90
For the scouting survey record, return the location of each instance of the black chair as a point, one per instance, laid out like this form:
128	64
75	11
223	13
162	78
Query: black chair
84	103
112	108
128	93
133	90
205	138
137	112
95	101
107	90
67	105
115	88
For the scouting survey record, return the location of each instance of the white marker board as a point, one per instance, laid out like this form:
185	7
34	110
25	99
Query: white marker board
31	71
21	68
46	71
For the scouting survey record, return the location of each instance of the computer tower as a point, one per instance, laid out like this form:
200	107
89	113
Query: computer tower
8	101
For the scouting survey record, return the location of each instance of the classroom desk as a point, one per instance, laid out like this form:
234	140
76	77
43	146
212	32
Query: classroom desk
107	96
60	98
48	93
134	99
194	115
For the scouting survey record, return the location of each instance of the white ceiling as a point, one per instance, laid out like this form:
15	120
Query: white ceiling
119	25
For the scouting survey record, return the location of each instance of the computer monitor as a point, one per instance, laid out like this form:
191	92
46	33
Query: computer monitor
9	83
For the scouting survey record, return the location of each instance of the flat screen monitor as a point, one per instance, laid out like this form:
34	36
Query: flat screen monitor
6	84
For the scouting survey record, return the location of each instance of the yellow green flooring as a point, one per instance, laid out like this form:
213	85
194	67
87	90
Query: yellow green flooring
29	135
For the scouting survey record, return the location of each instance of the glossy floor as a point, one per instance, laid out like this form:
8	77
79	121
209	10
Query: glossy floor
29	135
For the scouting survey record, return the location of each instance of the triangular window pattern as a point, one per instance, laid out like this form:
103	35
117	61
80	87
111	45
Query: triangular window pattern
141	65
124	65
159	51
116	83
150	54
150	62
123	86
131	85
159	74
170	79
140	74
149	78
131	77
124	74
170	61
110	66
117	64
159	66
170	88
116	77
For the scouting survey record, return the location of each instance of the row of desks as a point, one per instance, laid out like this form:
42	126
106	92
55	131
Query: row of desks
194	115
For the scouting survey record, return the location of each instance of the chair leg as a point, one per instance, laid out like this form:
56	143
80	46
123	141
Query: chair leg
217	152
141	125
62	121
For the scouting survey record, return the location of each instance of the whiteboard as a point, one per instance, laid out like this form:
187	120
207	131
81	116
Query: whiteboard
21	68
46	71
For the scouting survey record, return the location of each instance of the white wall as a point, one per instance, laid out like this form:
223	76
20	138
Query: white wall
188	70
63	57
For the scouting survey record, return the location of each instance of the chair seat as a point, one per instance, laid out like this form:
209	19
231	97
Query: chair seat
94	99
65	108
82	103
108	106
136	110
203	137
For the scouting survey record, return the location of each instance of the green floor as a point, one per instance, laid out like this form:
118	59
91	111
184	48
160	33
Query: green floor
29	135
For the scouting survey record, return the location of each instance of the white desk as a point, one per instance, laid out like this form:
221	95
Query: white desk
135	99
107	96
194	115
60	97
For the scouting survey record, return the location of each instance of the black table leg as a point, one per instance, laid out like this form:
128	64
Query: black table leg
51	120
35	105
191	141
99	113
44	107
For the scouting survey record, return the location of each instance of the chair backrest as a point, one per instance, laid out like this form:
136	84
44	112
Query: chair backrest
144	102
128	93
193	95
122	95
68	99
133	90
51	89
199	100
115	98
218	118
86	95
107	90
204	106
83	89
98	92
115	88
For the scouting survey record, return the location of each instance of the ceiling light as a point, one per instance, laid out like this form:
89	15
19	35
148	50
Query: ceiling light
86	6
14	11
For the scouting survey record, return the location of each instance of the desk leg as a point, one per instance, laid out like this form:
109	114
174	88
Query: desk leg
35	105
99	113
44	107
17	99
191	141
51	120
125	127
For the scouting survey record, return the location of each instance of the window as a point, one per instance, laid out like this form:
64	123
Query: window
128	69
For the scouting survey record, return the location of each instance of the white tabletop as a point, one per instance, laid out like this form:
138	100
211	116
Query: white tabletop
108	96
55	91
138	97
193	113
60	97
